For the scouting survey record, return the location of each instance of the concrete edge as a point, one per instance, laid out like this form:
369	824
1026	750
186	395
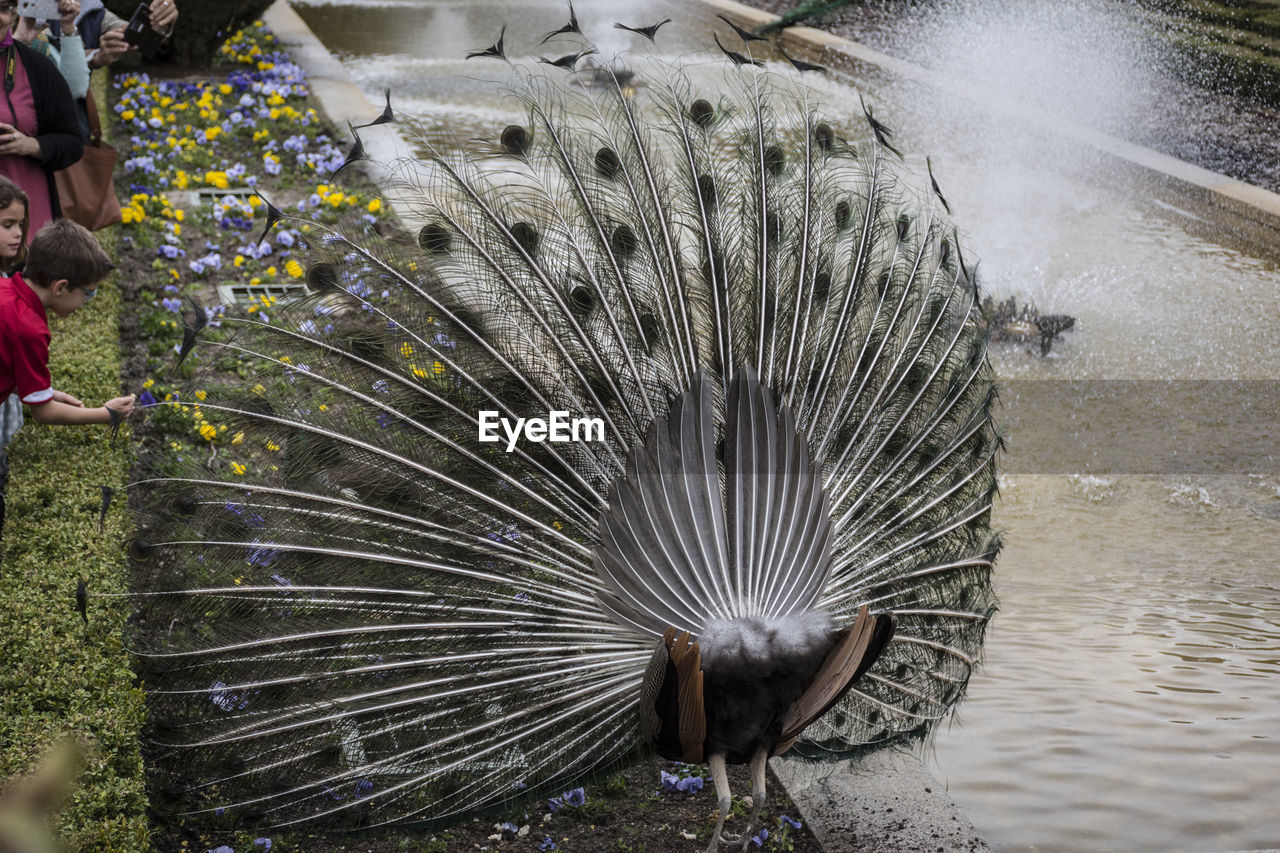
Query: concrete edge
338	97
887	796
884	801
1249	212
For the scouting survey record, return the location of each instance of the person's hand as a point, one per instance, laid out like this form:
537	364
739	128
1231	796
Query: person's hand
111	46
14	141
123	405
164	14
62	397
68	9
27	30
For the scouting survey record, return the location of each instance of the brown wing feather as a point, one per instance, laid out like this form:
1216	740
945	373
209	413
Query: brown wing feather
844	664
693	719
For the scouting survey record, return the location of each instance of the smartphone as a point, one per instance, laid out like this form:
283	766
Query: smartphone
137	25
41	10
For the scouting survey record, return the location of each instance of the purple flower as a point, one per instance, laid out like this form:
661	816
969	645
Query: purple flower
146	398
547	844
555	804
363	788
575	798
508	826
669	781
225	699
222	849
264	843
173	304
691	785
794	824
760	838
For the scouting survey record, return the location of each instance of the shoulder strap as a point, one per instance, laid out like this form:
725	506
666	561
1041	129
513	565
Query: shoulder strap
95	127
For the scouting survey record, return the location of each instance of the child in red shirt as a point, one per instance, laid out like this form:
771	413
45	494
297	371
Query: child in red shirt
64	265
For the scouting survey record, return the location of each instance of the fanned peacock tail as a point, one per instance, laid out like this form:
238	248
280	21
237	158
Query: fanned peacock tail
389	620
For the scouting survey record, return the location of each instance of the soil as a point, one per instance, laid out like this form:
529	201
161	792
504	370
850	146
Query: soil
635	817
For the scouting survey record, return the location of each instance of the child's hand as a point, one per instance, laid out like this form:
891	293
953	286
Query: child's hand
123	405
66	398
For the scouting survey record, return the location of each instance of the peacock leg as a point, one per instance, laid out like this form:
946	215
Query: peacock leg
721	778
757	765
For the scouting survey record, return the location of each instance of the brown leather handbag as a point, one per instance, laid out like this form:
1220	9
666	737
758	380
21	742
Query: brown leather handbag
86	189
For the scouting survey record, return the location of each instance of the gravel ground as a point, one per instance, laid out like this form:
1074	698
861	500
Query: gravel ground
1173	103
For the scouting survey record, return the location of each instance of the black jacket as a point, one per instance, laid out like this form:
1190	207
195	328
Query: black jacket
57	128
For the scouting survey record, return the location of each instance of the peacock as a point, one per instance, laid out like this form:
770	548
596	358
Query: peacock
427	593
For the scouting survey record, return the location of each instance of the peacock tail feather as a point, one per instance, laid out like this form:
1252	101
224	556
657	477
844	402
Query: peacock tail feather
388	620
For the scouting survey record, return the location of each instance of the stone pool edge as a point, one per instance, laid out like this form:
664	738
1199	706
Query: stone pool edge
1250	213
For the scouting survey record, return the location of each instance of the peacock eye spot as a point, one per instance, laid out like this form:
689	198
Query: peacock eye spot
140	550
821	286
185	505
702	113
772	227
515	140
623	241
824	136
607	163
650	329
707	190
842	215
435	239
526	236
322	276
774	160
581	299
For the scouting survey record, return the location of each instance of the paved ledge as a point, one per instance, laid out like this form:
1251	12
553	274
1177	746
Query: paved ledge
1250	213
339	98
886	801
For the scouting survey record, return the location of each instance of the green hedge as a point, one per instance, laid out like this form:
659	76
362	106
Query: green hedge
60	676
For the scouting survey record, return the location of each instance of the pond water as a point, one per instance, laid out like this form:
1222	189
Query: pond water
1130	698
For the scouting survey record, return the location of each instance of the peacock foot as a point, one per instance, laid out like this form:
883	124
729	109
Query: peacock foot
718	838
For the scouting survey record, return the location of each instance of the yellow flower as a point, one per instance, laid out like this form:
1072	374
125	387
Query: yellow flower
200	395
238	261
406	350
239	470
375	205
259	389
271	272
149	383
238	440
271	445
293	268
334	198
208	431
